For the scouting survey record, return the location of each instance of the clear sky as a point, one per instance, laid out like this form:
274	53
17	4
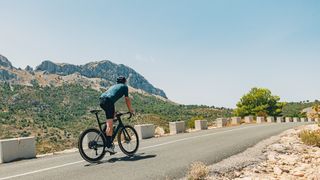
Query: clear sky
199	52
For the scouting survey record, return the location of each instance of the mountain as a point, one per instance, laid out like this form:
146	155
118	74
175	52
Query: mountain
105	70
5	62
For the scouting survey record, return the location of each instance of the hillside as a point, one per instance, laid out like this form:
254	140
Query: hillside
294	109
57	115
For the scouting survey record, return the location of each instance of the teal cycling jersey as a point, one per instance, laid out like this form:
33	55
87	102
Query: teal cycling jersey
115	92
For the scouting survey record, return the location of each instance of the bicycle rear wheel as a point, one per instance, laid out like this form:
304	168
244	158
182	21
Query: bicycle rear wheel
128	140
91	145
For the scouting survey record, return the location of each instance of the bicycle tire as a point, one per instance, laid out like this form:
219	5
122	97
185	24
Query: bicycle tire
82	150
123	132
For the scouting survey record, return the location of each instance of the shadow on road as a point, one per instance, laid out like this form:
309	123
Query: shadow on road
136	157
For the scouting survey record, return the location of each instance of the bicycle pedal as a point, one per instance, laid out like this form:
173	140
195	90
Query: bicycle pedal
112	153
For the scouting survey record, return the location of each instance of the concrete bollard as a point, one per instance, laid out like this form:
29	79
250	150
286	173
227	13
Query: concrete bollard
177	127
260	120
17	148
248	119
270	119
279	119
201	124
310	119
288	119
221	122
145	131
296	119
235	120
303	119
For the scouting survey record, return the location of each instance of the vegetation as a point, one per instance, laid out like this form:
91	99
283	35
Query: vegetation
57	115
198	171
259	102
310	137
293	109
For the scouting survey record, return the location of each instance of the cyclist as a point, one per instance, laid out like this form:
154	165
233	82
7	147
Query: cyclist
107	101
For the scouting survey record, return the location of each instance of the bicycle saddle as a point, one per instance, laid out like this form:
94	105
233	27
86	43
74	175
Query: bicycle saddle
95	111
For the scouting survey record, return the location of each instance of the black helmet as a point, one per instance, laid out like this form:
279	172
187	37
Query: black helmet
121	79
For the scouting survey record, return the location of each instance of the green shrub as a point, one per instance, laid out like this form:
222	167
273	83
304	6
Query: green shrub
310	137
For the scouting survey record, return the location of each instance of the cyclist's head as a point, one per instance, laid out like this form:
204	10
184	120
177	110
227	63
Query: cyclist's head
121	79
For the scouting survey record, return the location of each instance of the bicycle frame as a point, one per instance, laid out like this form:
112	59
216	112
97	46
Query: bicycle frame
115	131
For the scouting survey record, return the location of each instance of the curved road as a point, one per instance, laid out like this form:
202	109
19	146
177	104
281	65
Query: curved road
158	158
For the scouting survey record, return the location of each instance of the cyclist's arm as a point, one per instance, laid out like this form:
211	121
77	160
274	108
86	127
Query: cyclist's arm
128	102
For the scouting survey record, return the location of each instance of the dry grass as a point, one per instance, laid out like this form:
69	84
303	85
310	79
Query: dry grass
310	137
198	171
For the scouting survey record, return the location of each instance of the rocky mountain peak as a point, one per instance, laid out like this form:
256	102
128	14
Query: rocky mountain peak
29	69
5	62
102	69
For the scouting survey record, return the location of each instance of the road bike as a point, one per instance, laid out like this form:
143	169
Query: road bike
92	141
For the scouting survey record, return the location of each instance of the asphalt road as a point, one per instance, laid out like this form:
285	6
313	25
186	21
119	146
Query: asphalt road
157	158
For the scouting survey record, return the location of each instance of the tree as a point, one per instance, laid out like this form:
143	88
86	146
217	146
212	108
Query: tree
316	109
259	102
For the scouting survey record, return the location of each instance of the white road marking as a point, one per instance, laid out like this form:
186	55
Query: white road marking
148	147
41	170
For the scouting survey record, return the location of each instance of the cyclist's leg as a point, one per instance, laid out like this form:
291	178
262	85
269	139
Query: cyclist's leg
109	122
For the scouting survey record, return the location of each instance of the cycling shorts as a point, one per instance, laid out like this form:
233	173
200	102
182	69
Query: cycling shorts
108	106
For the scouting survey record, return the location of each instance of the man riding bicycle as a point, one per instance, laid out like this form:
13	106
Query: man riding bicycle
107	101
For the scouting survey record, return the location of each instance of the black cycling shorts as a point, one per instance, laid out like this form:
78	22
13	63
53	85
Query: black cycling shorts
108	106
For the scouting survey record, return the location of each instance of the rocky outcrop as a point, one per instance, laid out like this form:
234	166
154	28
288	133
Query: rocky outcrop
105	70
29	69
6	75
5	62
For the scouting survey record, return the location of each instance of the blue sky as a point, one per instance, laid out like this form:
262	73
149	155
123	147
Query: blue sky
199	52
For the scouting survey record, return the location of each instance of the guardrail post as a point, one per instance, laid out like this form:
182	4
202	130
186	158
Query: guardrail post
221	122
17	148
248	119
145	131
288	119
235	120
279	119
201	124
260	120
177	127
270	119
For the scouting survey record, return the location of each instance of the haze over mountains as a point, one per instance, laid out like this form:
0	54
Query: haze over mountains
104	70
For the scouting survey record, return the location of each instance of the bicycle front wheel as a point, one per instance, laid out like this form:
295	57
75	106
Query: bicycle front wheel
128	140
91	145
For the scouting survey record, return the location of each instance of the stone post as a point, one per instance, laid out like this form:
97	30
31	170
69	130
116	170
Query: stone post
248	119
177	127
260	120
288	119
270	119
201	124
279	119
221	122
235	120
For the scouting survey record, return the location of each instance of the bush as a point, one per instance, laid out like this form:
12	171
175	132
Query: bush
310	137
198	171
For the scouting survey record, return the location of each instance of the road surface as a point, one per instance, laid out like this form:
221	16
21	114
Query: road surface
157	158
